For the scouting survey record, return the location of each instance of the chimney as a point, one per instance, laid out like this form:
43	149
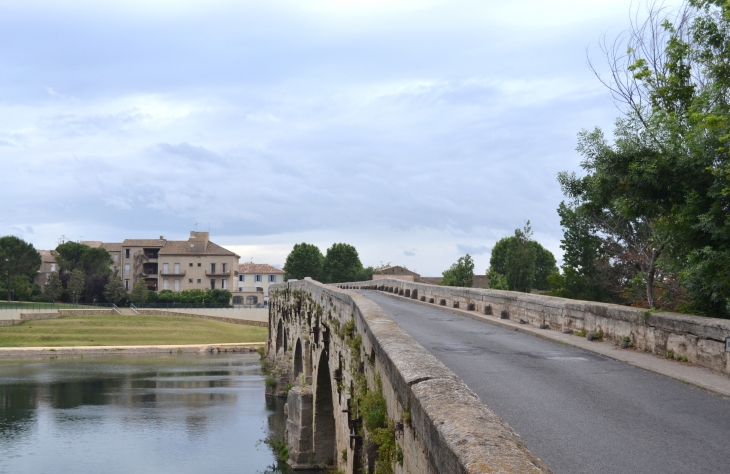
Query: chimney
162	237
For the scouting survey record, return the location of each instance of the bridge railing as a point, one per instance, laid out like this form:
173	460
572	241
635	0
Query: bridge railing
703	341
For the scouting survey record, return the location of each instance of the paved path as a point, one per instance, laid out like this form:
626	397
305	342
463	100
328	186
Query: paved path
580	412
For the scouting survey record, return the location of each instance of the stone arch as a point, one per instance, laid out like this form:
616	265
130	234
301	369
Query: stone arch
279	336
325	436
298	360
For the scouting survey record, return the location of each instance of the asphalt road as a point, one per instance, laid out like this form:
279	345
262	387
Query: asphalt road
578	411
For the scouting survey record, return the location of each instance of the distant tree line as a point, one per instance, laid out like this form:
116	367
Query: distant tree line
340	264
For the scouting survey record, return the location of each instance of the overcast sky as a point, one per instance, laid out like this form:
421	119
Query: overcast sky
417	131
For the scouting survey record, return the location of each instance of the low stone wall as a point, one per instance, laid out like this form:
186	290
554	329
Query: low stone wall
165	312
701	340
337	349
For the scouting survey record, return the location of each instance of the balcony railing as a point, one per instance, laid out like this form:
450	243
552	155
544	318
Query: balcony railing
173	273
250	289
218	272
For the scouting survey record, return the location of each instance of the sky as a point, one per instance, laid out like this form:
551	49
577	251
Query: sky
417	131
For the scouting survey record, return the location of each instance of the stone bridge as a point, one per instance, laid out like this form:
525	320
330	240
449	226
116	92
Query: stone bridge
363	396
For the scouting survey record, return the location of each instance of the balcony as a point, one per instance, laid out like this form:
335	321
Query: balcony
250	289
148	273
173	273
218	272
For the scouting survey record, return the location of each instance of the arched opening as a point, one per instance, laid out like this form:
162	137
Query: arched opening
325	438
279	336
251	300
298	365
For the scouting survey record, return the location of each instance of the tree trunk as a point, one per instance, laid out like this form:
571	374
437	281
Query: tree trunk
650	278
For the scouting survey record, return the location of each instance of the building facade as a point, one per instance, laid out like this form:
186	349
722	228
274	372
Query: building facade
256	277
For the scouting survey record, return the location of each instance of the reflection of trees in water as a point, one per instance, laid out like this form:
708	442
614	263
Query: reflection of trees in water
17	409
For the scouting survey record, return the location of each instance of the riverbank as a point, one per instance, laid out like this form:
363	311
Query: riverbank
126	331
22	352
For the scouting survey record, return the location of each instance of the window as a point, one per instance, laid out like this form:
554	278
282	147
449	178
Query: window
126	269
259	278
199	264
212	268
165	284
115	257
240	288
126	253
224	266
272	278
177	269
199	280
177	285
190	280
53	267
224	284
241	277
212	284
252	300
126	285
115	269
165	268
190	265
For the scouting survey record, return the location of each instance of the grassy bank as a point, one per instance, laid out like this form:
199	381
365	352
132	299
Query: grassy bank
127	331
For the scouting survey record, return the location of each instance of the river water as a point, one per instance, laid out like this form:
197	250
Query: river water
137	414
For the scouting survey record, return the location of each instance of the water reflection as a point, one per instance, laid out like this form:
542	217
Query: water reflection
187	413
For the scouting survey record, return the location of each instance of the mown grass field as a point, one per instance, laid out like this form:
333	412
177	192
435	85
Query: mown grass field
126	331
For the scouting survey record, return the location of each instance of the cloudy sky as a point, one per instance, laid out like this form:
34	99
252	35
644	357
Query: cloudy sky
415	130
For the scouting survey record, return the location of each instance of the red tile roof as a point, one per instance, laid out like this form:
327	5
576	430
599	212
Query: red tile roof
258	268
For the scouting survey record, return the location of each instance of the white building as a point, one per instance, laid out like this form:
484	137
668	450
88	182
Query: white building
256	277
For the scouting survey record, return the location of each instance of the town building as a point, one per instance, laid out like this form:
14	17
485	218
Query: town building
396	272
256	277
48	266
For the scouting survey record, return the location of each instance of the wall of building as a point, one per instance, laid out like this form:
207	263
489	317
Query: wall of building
336	349
198	267
701	340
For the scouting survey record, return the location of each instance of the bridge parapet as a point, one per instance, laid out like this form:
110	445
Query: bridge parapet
366	397
700	339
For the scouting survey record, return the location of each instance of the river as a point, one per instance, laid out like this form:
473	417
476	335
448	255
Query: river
137	414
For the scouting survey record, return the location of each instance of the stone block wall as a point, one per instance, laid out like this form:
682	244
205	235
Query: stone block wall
700	339
355	356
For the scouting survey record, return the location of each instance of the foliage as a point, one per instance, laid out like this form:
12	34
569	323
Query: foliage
94	262
656	198
17	257
519	263
22	288
460	273
212	297
139	293
76	285
52	288
305	260
341	264
114	290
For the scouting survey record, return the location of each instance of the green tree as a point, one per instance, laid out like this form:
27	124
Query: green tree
305	260
341	264
76	285
520	260
22	288
53	288
17	257
94	262
114	290
139	293
460	273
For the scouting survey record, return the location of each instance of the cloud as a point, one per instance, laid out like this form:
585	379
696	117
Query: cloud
435	125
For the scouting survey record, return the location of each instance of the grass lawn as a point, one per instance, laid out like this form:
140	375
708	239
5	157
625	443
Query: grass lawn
127	331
